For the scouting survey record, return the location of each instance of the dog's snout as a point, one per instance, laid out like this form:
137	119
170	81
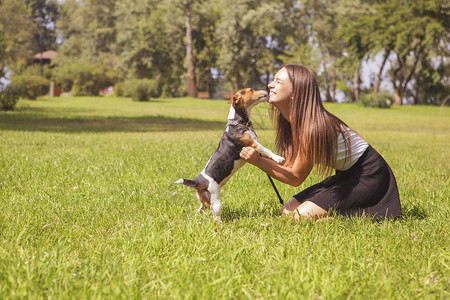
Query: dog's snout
264	95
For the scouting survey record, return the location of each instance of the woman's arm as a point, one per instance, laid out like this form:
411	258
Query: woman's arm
293	173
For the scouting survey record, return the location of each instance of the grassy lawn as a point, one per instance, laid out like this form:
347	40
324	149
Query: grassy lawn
88	208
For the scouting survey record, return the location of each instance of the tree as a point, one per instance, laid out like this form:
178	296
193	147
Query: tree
206	45
70	27
276	39
140	38
431	81
410	30
239	44
190	76
45	14
191	25
324	25
355	32
181	43
16	32
87	30
174	22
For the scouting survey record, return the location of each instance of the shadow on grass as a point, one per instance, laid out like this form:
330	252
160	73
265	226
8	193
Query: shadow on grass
414	212
229	214
30	122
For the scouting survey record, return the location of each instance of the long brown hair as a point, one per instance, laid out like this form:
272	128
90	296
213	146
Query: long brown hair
313	130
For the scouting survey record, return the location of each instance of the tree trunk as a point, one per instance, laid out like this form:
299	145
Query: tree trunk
191	84
333	77
356	86
398	96
141	71
236	79
399	80
327	84
376	88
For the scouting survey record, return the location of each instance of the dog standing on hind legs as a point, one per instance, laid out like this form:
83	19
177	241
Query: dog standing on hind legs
225	161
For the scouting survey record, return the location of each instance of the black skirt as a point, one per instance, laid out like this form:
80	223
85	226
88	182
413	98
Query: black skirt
367	188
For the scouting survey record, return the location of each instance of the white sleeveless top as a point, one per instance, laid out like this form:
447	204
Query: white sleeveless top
343	160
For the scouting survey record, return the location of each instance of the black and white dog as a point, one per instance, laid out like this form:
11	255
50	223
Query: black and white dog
225	161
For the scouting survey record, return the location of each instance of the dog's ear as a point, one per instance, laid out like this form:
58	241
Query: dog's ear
235	99
232	99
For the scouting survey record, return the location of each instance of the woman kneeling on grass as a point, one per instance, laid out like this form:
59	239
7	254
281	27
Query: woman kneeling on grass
308	135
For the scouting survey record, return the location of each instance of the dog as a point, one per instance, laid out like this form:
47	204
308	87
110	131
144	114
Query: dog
225	161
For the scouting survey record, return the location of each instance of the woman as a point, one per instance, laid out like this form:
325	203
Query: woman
308	135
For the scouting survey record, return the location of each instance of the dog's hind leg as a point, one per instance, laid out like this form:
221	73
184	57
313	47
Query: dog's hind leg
201	208
216	206
214	192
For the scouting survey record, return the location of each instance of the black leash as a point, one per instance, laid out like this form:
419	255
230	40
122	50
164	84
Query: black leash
275	188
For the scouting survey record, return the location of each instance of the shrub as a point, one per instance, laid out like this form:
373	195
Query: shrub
141	89
8	99
119	89
86	79
35	70
30	86
381	100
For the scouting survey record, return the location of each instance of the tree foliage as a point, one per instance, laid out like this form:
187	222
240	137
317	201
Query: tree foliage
44	13
406	30
16	31
86	78
185	46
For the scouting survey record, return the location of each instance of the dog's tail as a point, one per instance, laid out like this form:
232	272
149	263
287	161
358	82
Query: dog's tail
187	182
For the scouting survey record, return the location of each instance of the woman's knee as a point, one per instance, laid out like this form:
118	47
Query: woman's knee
309	209
306	209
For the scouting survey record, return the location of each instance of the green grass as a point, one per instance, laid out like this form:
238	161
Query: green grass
88	208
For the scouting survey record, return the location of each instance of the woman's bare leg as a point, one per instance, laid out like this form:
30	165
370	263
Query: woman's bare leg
290	206
306	209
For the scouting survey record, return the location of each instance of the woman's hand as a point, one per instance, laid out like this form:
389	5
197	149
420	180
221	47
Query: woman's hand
250	155
292	173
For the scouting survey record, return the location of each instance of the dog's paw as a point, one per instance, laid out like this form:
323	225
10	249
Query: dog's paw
278	159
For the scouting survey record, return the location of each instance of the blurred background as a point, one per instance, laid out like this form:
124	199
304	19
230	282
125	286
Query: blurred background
210	48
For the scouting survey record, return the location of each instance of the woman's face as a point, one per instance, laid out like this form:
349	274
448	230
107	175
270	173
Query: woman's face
280	88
